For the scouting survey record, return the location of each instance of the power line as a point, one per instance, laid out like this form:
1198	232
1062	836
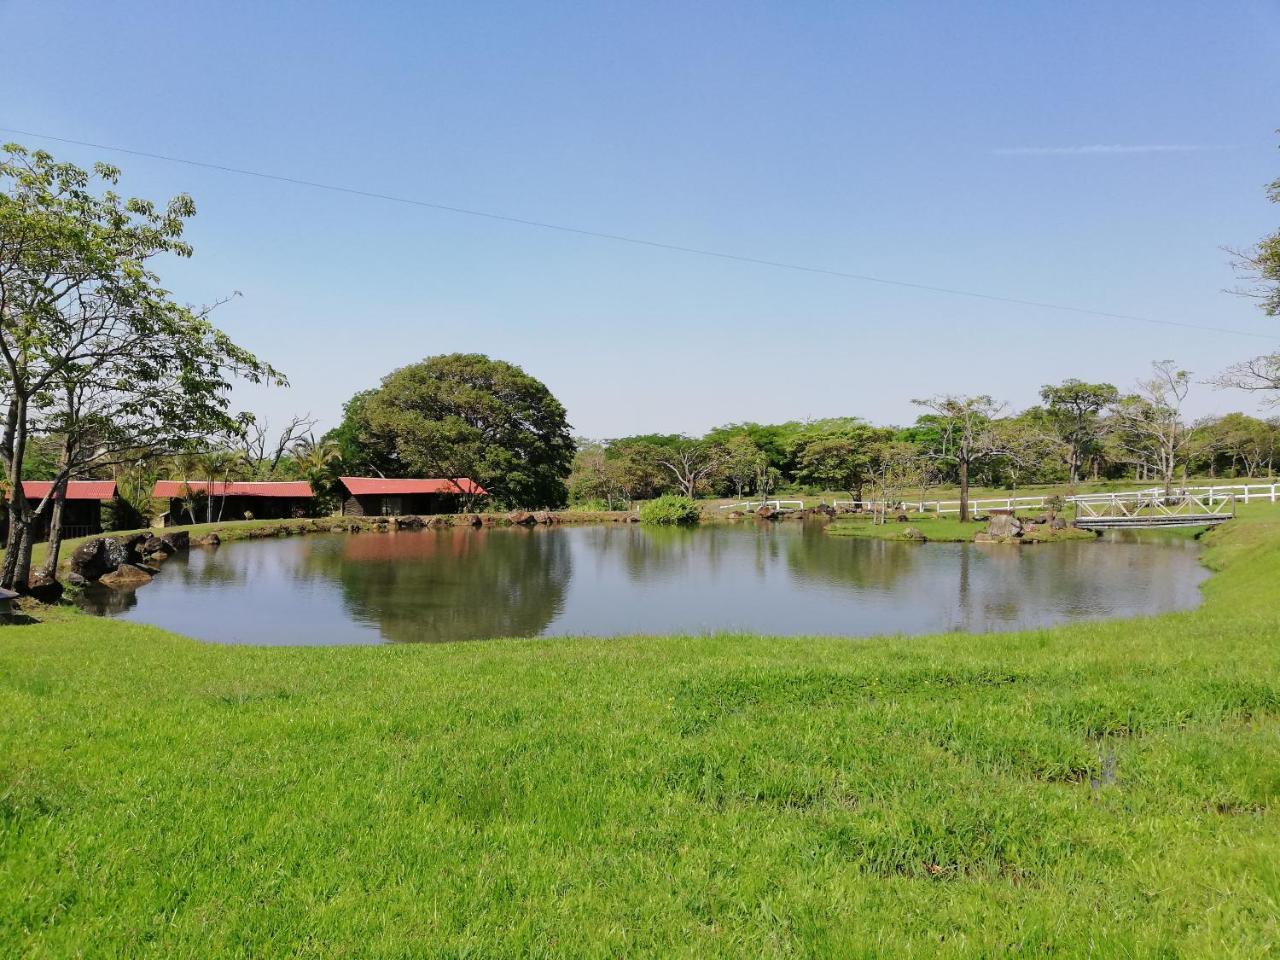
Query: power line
639	241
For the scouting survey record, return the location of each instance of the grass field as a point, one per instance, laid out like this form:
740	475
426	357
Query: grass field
942	530
1104	789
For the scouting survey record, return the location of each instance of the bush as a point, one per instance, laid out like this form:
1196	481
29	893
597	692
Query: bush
670	510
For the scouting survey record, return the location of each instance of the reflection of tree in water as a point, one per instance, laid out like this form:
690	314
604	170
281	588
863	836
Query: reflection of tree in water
648	552
850	561
103	601
450	584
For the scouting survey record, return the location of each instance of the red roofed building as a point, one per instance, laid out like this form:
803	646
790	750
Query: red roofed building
82	511
381	497
233	500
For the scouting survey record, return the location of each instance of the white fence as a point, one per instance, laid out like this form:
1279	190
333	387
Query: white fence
753	505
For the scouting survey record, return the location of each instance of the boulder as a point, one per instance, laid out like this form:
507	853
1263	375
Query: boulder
1003	525
178	540
46	591
766	513
126	577
90	560
208	540
825	509
913	533
153	546
1057	523
521	518
545	516
901	515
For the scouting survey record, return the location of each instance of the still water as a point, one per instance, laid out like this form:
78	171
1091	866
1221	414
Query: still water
777	578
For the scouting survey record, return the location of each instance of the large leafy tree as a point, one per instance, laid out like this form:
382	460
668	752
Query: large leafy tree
94	352
463	415
837	459
1075	410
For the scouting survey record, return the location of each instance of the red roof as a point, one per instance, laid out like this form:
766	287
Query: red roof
76	489
270	488
362	486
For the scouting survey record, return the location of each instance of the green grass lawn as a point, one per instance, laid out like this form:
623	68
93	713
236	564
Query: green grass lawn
1105	789
941	529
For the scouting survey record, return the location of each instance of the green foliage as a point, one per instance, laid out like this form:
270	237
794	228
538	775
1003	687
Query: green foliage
95	353
465	415
670	510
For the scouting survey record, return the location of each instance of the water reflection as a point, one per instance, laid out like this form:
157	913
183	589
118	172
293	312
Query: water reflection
784	578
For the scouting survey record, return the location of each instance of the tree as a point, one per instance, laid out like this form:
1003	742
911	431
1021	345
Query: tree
743	463
266	456
1260	268
463	415
1075	410
895	466
93	351
362	452
596	477
836	461
1149	422
692	463
964	435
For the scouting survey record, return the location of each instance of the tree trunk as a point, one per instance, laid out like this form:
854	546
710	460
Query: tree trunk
964	491
50	569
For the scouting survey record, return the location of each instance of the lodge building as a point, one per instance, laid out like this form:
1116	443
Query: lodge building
233	500
81	510
382	497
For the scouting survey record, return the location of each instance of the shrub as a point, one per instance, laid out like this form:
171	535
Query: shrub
670	510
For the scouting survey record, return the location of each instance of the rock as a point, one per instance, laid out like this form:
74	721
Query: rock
545	516
521	518
825	509
46	591
1003	525
766	513
337	528
1057	523
983	537
902	517
179	540
408	523
89	561
154	545
733	515
208	540
76	580
126	577
914	533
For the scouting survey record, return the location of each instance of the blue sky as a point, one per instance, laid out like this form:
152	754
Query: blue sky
1092	154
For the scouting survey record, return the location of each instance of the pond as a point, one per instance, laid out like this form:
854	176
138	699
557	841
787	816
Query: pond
772	578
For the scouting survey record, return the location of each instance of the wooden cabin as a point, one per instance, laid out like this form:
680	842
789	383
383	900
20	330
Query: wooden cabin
382	497
81	511
233	500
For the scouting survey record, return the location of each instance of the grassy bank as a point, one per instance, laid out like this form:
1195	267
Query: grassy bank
942	530
1103	789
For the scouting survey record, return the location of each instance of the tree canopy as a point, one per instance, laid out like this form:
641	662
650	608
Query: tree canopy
464	415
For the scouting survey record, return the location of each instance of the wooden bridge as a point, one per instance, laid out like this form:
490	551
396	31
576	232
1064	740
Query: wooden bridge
1152	509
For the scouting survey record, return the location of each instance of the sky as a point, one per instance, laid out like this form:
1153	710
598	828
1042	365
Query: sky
1093	155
